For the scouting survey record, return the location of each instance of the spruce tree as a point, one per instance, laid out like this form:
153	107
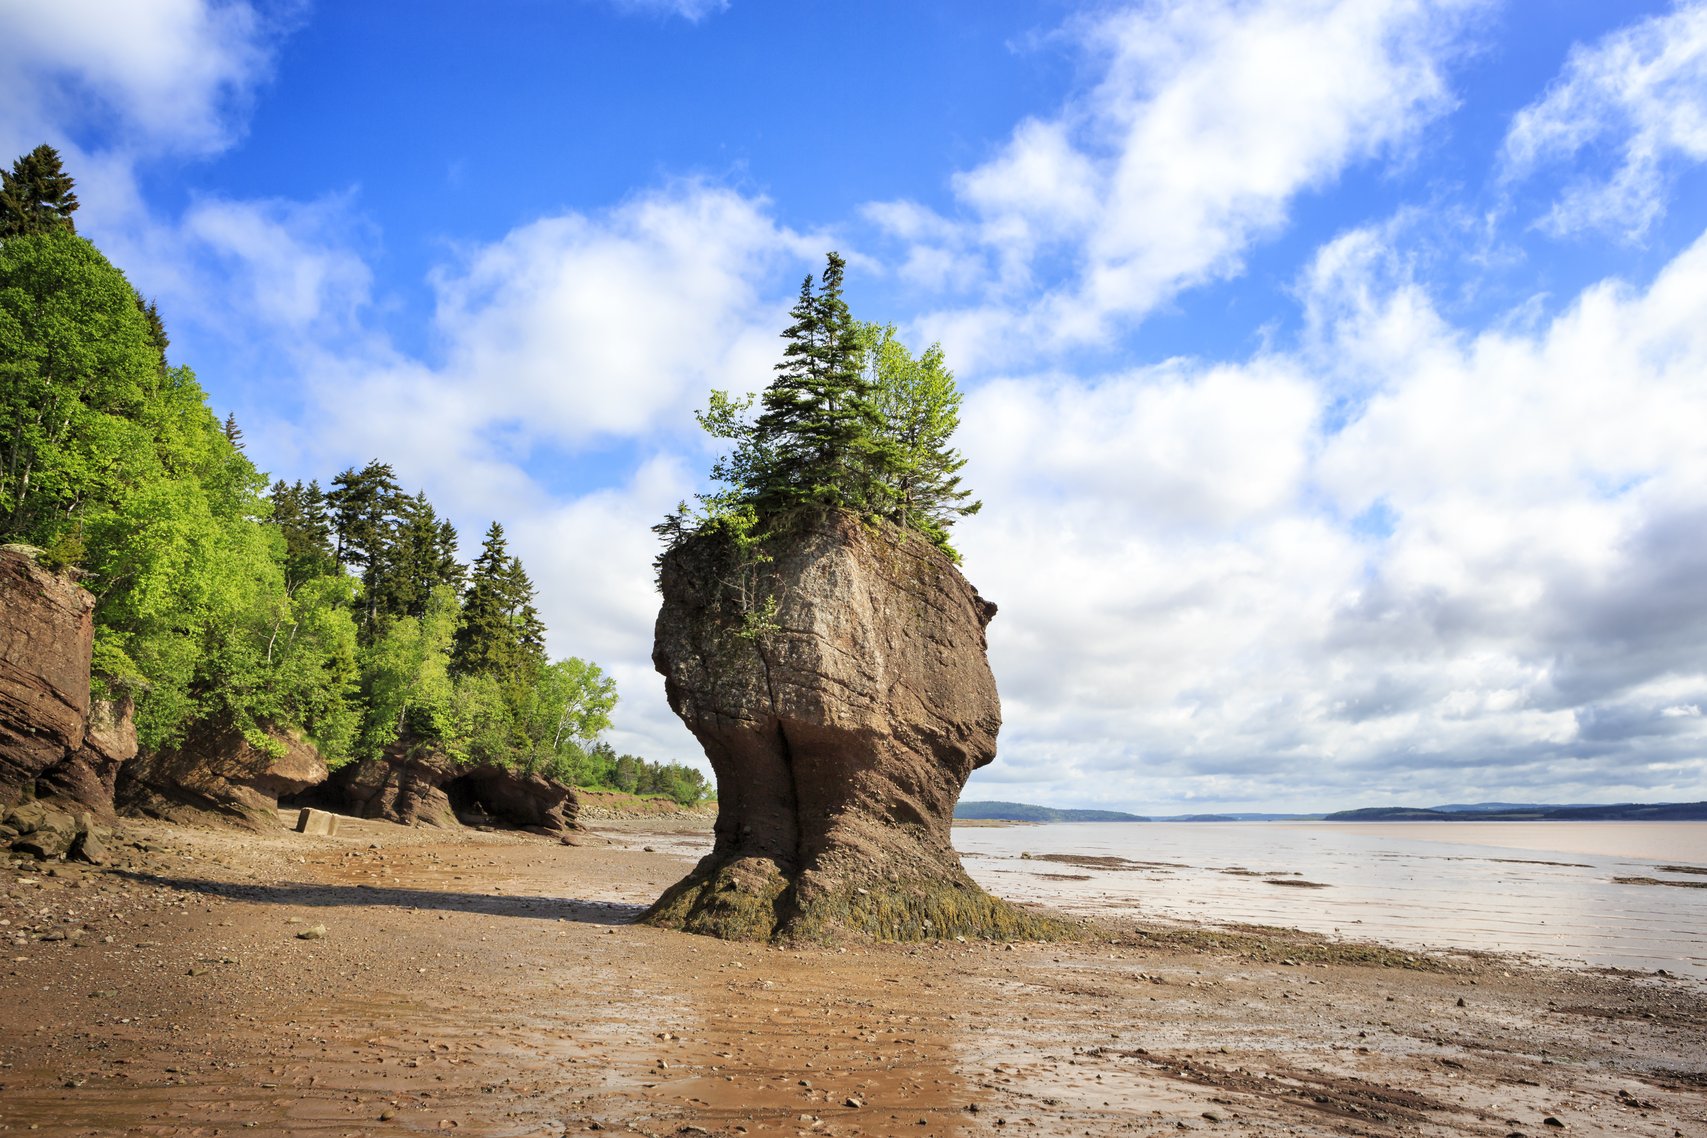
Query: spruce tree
818	432
364	506
36	195
299	512
500	633
422	557
851	421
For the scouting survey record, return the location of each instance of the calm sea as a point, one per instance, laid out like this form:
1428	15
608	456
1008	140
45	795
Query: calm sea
1561	892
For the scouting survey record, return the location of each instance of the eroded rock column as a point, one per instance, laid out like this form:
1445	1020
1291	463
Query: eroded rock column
841	729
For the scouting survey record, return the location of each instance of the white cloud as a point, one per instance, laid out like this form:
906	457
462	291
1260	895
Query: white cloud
592	558
1640	93
282	264
1208	119
165	74
589	326
1487	581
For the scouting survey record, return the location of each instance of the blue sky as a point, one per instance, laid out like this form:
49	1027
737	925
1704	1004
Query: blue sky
1333	367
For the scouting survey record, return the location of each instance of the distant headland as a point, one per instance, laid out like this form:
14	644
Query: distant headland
1457	812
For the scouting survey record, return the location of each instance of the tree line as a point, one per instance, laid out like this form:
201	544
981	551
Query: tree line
342	613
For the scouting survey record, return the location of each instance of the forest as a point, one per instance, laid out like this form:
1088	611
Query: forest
342	613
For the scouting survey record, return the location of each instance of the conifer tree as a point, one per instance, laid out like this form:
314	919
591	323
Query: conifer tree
233	433
851	421
422	557
818	432
299	512
364	506
36	195
500	633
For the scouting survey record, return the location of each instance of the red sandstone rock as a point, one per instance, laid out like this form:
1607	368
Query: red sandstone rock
840	739
216	775
419	786
46	635
87	778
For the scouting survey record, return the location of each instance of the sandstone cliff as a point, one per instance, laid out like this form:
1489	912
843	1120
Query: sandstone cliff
47	631
217	775
841	735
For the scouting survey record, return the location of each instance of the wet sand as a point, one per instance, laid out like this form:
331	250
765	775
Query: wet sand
494	984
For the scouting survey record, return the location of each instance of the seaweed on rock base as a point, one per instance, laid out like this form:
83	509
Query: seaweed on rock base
752	900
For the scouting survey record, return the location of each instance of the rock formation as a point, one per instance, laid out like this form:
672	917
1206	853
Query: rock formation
419	786
88	777
841	727
218	775
47	632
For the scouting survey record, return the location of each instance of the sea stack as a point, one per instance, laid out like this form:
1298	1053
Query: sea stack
838	683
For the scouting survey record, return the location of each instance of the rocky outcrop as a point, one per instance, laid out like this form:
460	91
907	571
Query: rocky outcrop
47	632
405	785
218	776
842	725
515	798
88	778
416	785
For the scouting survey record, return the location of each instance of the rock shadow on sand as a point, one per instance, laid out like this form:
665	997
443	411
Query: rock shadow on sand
578	910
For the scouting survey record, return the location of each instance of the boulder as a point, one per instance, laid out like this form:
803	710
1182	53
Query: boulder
44	831
47	632
88	777
218	776
841	692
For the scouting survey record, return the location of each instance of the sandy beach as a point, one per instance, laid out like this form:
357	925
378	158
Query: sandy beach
397	981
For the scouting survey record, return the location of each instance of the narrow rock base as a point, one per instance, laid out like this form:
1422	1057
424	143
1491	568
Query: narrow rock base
752	900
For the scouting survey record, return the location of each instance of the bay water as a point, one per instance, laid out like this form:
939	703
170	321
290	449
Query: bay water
1629	895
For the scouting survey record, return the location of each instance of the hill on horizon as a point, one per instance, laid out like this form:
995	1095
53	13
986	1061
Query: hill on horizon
1515	812
1025	812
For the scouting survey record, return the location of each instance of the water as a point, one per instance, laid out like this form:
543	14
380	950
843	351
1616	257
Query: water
1548	890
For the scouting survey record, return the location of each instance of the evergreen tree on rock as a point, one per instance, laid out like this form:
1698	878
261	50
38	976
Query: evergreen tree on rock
819	433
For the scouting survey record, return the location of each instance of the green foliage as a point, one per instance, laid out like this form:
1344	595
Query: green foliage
341	614
405	678
851	421
918	405
79	384
816	441
36	195
500	633
300	514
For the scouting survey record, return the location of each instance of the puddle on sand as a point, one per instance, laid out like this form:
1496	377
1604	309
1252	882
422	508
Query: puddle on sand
790	1045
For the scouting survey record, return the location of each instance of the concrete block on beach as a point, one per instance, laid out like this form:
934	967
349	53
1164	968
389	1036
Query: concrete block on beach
312	821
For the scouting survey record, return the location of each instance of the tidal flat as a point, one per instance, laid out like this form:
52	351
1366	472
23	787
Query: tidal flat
395	981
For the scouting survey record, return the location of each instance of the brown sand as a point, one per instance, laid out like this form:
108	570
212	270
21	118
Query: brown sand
493	984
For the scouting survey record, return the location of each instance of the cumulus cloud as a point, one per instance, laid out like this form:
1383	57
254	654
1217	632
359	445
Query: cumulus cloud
1207	120
1628	109
592	558
166	76
1483	579
599	325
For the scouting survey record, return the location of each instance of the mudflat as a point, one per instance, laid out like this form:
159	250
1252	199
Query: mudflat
396	981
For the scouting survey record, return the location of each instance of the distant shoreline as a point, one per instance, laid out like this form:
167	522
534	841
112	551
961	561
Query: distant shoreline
983	812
